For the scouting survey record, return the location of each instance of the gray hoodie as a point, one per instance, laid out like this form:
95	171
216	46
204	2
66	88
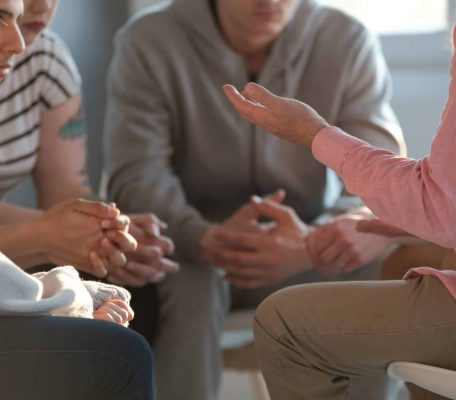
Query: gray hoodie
175	146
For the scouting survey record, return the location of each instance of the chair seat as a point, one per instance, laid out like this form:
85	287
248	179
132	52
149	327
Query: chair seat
437	380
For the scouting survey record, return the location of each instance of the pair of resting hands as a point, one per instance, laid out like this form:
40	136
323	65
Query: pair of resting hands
255	254
97	238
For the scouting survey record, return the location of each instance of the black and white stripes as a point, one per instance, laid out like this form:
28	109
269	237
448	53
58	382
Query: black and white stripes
44	77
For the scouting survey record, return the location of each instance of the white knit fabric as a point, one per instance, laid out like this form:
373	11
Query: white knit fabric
59	292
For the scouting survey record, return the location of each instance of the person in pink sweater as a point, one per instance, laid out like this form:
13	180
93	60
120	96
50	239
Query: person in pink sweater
312	340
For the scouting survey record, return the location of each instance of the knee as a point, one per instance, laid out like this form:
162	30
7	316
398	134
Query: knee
134	348
137	354
270	314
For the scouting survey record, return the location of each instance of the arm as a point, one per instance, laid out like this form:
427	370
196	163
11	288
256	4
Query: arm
64	234
414	195
139	148
60	172
10	213
364	109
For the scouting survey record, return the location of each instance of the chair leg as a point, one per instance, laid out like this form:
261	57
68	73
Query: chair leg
259	386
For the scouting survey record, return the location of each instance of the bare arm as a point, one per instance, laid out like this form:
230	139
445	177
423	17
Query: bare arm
62	155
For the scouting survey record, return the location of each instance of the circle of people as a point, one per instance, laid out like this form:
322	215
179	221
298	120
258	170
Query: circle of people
251	156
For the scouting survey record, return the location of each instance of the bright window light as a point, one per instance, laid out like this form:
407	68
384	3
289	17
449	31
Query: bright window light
397	16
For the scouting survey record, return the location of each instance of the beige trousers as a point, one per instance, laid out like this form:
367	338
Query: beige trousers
314	340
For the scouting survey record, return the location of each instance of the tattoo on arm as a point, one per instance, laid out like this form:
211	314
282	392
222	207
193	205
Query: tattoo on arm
75	126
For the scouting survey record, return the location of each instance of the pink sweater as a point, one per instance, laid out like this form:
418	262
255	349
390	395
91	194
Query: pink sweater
418	196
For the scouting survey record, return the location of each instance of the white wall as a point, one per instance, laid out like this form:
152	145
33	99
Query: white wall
419	66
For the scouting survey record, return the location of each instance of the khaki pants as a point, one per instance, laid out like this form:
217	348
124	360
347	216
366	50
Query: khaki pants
193	306
313	340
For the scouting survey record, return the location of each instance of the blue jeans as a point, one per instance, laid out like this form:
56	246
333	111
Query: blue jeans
57	358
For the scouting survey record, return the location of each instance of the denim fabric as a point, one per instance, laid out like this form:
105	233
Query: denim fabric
72	359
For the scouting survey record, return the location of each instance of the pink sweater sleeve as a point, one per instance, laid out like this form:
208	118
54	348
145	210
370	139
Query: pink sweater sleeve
418	196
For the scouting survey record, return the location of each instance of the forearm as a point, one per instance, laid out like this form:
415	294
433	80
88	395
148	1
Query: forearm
21	242
12	213
403	192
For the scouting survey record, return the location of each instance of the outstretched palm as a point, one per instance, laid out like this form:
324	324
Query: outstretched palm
287	118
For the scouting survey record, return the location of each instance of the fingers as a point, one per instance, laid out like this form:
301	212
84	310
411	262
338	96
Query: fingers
114	256
98	265
146	265
116	311
316	243
95	208
152	258
333	252
259	95
151	273
271	209
135	275
122	240
120	222
149	223
249	109
165	244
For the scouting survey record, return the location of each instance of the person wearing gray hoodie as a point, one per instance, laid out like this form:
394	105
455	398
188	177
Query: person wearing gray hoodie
175	146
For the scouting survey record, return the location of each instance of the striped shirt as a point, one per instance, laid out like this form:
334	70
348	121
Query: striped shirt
43	77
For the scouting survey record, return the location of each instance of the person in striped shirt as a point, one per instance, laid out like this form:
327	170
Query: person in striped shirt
43	134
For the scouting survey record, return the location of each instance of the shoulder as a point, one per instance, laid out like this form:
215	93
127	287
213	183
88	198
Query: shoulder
49	54
153	27
343	30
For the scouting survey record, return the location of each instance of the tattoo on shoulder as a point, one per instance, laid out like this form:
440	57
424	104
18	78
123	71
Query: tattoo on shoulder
75	126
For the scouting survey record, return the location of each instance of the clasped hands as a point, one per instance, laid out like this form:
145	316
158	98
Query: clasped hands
255	254
96	238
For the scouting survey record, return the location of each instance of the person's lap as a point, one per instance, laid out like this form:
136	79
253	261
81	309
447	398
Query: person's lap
312	339
72	358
